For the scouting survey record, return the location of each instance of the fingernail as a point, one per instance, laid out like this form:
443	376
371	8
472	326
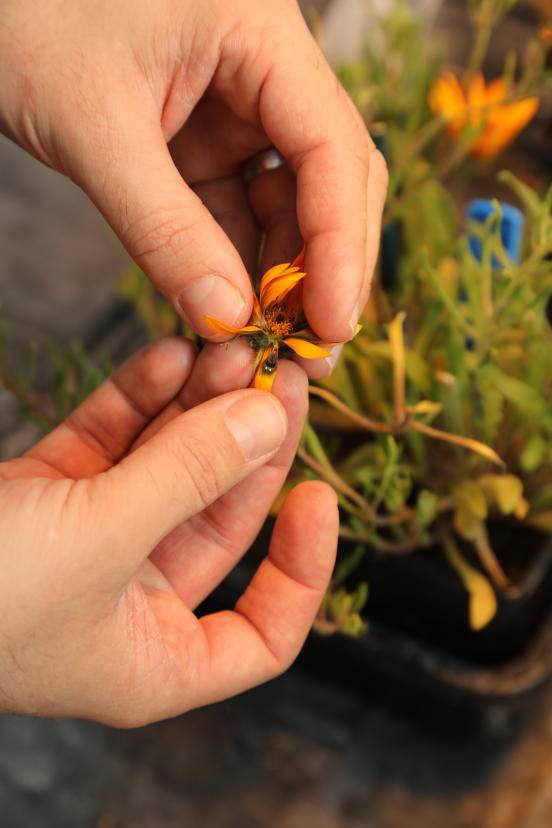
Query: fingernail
210	295
257	423
332	360
353	321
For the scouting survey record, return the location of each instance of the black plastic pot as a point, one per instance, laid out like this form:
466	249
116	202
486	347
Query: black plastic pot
419	641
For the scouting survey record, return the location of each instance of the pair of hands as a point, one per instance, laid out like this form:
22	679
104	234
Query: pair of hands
117	524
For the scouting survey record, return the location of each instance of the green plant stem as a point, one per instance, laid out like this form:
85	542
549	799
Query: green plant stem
448	165
396	547
361	508
456	439
365	422
413	149
484	22
331	477
537	254
25	398
409	422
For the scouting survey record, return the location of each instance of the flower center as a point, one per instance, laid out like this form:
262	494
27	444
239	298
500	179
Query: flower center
277	322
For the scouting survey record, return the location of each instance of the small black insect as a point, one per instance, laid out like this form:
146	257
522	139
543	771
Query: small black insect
270	364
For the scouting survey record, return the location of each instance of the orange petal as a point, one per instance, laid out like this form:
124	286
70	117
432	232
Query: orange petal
503	125
293	301
222	328
299	260
273	273
261	378
278	288
496	91
477	98
447	98
306	349
256	306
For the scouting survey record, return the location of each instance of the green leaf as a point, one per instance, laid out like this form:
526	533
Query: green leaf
450	302
470	495
426	507
519	394
347	564
526	194
466	523
360	596
354	626
533	453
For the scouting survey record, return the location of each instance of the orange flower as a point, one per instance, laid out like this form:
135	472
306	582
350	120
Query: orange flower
475	104
277	323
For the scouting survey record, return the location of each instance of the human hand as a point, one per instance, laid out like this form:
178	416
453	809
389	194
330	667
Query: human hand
98	89
117	525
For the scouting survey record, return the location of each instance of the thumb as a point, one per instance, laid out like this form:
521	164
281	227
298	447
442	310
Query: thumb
185	467
163	224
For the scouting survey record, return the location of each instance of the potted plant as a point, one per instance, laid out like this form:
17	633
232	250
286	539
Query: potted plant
435	429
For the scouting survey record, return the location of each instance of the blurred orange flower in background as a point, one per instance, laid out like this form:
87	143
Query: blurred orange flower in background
477	104
277	322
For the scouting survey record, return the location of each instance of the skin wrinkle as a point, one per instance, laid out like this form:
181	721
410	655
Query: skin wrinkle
184	89
201	471
94	440
279	663
183	651
158	235
235	66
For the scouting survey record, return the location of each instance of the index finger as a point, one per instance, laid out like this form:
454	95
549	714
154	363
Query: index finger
309	117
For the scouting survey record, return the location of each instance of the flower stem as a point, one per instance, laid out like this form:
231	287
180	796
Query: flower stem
489	560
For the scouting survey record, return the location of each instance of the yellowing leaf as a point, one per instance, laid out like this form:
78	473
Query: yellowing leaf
466	523
522	509
396	340
506	490
427	407
456	439
482	601
470	495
